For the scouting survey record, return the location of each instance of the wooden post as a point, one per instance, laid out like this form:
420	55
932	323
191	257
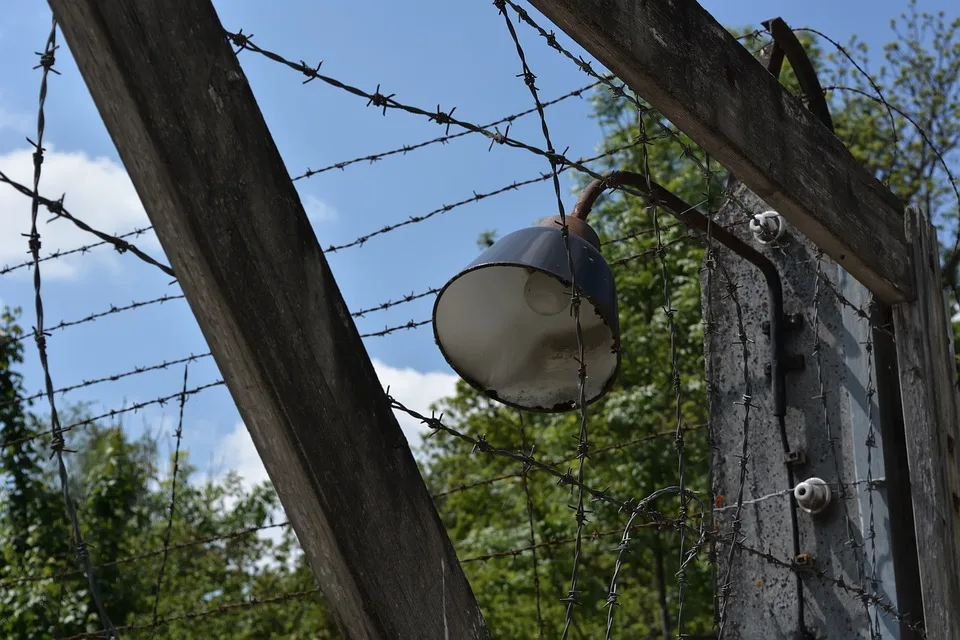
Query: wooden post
931	409
192	137
683	62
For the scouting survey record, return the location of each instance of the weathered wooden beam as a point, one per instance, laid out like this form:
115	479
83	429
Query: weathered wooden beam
931	410
678	58
192	137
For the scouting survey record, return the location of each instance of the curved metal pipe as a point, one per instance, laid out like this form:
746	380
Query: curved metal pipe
692	218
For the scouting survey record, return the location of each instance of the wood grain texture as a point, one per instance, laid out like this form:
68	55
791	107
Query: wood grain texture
192	137
931	409
679	59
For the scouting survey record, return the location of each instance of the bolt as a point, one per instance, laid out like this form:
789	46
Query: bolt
796	457
813	495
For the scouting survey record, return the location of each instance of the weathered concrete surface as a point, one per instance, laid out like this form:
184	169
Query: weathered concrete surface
763	596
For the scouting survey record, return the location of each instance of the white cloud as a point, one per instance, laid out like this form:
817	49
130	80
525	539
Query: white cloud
317	210
98	191
415	389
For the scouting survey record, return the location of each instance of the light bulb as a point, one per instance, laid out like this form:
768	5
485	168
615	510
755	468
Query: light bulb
545	295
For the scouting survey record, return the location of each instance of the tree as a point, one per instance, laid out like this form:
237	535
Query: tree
216	573
124	506
920	82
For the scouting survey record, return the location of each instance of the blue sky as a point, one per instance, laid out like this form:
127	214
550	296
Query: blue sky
428	53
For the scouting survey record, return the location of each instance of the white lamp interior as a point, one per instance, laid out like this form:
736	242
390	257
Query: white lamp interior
509	329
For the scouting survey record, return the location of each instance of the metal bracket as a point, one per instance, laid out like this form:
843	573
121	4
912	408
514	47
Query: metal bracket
791	322
804	562
796	458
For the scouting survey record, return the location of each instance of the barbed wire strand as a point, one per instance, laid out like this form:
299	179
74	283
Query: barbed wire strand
871	443
113	310
47	62
476	197
858	593
81	249
595	451
113	413
173	498
233	607
528	499
895	142
180	546
166	364
746	401
385	102
546	544
404	150
583	445
59	211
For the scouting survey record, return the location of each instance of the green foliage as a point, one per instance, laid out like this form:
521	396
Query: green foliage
123	501
921	77
123	495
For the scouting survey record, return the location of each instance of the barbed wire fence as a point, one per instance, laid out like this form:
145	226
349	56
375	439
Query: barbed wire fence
600	514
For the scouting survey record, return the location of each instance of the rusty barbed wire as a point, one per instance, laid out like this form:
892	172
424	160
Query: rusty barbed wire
859	593
47	62
670	313
746	402
383	306
375	157
59	211
871	443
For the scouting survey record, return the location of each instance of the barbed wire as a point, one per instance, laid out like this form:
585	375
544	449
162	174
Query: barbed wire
47	62
205	613
59	211
712	264
113	310
859	593
476	197
81	249
559	542
113	413
385	102
582	440
111	378
173	498
531	528
375	157
595	451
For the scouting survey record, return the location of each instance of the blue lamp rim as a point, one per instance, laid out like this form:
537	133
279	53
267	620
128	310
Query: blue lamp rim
561	408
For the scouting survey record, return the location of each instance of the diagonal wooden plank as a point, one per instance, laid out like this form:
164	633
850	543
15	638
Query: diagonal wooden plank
192	137
678	58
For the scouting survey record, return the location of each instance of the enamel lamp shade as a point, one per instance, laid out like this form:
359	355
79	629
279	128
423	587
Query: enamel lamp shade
506	326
